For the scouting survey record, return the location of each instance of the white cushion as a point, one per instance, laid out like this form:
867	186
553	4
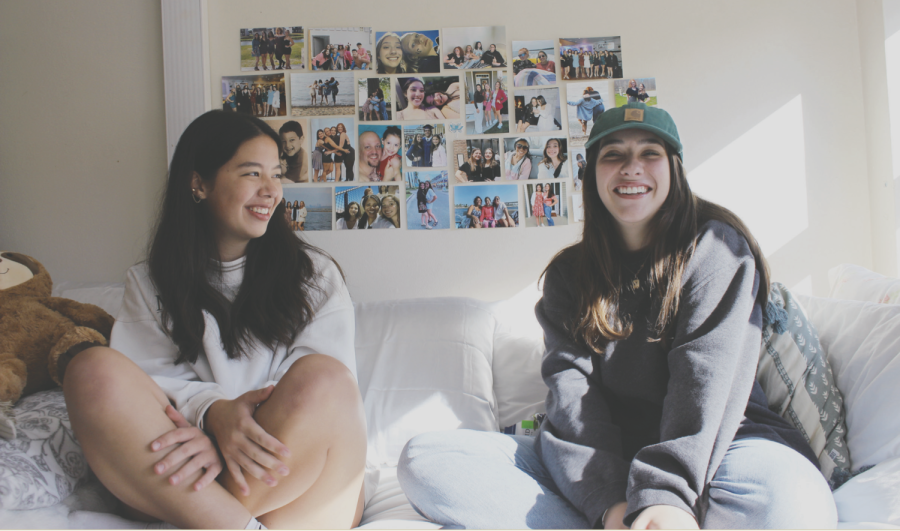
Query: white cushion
862	340
873	496
423	365
107	295
857	283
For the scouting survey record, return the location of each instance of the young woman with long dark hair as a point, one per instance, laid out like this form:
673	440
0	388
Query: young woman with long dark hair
652	327
233	347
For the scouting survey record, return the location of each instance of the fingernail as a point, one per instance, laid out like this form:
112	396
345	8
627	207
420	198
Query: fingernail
155	446
285	452
271	482
160	468
284	471
175	480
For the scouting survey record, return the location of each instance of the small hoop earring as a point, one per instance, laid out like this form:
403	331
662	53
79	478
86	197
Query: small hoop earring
194	197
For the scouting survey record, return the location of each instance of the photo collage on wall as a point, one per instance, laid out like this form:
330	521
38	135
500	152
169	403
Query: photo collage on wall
451	121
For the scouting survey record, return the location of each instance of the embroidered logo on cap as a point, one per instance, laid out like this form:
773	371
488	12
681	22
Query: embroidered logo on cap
634	115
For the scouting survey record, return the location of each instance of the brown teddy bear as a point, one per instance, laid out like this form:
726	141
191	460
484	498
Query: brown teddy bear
37	329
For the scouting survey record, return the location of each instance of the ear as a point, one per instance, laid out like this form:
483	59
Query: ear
199	189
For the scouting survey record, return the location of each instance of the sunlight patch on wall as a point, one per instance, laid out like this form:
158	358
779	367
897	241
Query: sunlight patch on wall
892	60
761	177
804	287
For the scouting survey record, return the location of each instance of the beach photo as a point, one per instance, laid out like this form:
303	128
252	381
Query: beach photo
640	89
487	103
259	95
322	94
307	208
367	207
546	205
424	146
536	157
379	158
534	63
475	47
427	200
579	163
279	48
408	52
427	98
294	141
590	58
340	48
585	103
374	97
477	160
487	206
537	110
333	149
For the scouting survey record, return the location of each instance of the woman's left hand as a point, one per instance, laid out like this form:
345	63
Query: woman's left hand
664	517
196	449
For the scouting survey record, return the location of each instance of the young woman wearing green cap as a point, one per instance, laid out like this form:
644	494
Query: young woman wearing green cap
652	327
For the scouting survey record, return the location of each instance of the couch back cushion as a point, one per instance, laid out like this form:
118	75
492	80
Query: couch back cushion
856	283
423	365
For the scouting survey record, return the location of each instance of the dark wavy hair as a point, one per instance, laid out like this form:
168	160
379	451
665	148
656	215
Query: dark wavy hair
275	299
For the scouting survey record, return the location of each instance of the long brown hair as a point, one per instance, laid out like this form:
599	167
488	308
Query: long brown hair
673	236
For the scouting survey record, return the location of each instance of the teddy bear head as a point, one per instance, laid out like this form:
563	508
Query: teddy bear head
23	276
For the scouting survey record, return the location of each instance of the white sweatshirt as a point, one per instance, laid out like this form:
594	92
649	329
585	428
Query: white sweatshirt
193	387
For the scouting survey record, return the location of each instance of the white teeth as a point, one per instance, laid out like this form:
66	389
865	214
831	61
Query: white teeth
259	210
631	190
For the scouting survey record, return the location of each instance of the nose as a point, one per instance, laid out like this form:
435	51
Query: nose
632	166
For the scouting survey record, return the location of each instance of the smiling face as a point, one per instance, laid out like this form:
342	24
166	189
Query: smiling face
476	155
390	52
391	145
497	86
370	149
488	155
633	179
370	204
415	93
290	143
320	134
553	148
389	207
416	45
493	48
241	198
436	140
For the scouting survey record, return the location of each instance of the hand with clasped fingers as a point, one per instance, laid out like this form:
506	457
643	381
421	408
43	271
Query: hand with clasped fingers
653	517
245	445
196	451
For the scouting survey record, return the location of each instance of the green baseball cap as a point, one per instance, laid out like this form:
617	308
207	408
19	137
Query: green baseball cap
637	116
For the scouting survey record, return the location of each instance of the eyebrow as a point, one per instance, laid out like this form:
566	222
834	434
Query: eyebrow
251	164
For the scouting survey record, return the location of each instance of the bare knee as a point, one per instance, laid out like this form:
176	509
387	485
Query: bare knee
318	381
100	376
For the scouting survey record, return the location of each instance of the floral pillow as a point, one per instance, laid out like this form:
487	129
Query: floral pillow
44	463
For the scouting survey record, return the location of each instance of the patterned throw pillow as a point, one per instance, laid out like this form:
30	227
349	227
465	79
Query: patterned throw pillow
44	463
797	379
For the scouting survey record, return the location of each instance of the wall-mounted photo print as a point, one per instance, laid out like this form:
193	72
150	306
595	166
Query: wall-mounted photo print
536	157
478	47
408	52
537	110
294	134
367	207
546	205
487	103
379	158
579	164
319	94
333	149
424	146
590	58
642	89
259	95
340	48
486	206
577	208
586	102
428	98
427	200
534	64
374	95
279	48
477	160
307	208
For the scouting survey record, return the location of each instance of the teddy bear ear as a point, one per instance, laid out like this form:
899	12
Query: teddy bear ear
26	261
15	271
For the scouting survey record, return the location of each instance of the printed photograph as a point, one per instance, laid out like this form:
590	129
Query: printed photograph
318	94
537	110
294	139
428	98
374	96
408	52
427	200
424	146
367	207
536	157
259	95
642	89
486	206
534	63
333	149
586	102
477	160
590	58
487	103
579	163
546	205
307	208
477	47
272	48
577	208
379	158
340	48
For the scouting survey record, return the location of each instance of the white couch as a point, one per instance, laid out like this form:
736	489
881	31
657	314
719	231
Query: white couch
448	363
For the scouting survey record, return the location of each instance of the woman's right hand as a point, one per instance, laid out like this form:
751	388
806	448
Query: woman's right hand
244	444
613	519
196	450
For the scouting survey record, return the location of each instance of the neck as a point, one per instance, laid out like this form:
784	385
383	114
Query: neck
634	237
230	251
